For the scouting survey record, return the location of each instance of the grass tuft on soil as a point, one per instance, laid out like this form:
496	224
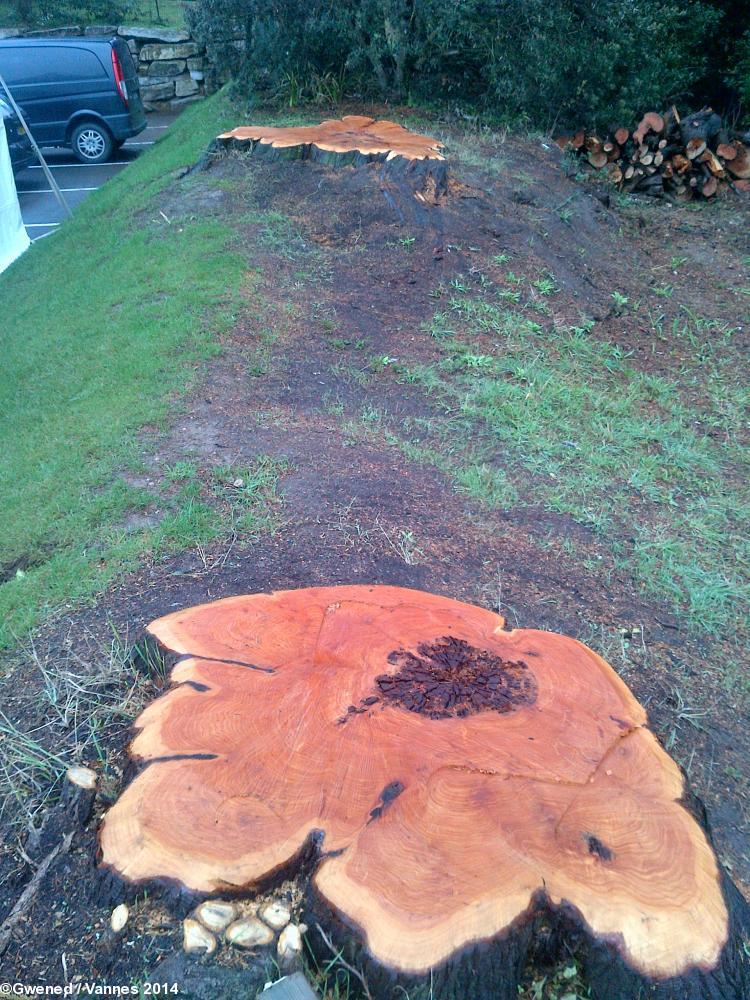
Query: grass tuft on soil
105	325
564	419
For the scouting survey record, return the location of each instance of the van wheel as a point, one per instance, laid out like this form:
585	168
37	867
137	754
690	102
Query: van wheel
91	143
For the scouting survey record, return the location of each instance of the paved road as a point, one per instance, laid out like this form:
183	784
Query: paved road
41	211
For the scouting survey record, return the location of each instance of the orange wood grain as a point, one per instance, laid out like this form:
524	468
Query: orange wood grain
352	133
270	733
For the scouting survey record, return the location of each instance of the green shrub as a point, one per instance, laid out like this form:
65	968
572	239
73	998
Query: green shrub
563	62
740	75
259	43
598	63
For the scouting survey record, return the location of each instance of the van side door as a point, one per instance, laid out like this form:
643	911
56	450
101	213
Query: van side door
51	83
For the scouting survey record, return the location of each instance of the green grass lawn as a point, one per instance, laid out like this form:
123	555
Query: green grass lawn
104	324
166	13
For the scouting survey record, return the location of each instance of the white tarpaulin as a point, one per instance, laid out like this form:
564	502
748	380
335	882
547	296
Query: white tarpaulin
13	238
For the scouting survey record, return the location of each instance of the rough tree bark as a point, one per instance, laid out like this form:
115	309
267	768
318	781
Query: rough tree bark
704	124
453	783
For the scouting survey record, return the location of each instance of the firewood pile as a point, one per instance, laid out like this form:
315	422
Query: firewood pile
668	156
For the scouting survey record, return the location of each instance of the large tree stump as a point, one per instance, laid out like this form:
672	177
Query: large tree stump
352	140
456	783
352	134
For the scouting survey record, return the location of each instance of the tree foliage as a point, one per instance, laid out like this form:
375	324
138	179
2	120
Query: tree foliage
740	73
563	61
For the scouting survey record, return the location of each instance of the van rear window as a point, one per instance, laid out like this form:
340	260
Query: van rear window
126	61
49	64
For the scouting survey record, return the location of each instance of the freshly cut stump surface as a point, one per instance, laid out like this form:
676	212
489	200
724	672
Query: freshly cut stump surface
457	784
354	134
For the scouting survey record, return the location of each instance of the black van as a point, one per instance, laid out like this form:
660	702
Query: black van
77	92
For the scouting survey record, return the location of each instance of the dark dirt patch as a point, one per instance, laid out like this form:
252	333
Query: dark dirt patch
20	564
356	510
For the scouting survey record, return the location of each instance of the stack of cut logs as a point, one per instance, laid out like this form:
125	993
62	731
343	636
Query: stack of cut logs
669	156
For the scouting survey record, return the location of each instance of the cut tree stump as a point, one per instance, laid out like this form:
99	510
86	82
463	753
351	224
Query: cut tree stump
352	140
456	787
352	134
78	793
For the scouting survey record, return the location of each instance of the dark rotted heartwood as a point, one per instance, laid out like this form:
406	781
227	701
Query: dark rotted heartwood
450	677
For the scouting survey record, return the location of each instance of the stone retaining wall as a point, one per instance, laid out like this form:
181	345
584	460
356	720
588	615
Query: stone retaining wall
172	68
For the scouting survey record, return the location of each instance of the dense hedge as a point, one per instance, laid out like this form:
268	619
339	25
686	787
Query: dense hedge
546	61
739	75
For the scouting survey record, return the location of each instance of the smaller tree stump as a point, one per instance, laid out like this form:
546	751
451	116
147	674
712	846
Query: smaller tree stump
78	793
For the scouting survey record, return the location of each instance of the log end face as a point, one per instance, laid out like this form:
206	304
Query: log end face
478	778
